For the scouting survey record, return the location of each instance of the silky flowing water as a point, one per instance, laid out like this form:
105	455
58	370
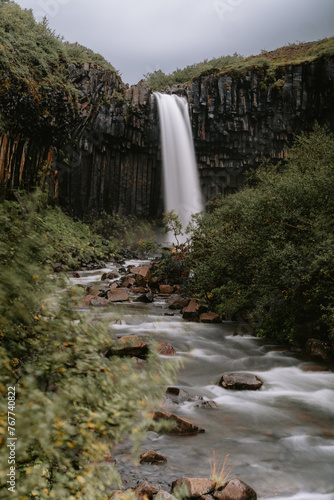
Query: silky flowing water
280	438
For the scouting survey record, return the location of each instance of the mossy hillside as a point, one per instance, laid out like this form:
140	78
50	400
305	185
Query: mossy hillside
64	240
36	93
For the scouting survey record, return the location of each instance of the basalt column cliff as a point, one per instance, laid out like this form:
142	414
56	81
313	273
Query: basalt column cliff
108	157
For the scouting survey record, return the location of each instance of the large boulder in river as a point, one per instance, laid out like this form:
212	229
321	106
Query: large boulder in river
181	425
240	381
193	487
235	490
210	317
130	345
152	457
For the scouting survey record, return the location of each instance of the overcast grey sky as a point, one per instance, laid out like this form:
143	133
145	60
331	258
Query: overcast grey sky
140	36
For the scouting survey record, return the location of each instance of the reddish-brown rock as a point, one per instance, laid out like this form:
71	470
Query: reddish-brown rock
130	345
145	490
210	317
193	310
143	277
235	490
166	289
128	282
240	381
98	301
182	425
151	457
109	276
177	302
166	349
193	487
118	295
139	289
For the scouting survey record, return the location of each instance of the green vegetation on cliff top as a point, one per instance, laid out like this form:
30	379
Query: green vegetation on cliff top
237	65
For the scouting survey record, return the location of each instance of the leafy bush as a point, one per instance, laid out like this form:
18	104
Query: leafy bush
266	252
72	403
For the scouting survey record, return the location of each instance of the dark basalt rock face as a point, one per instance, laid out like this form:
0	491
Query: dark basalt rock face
108	157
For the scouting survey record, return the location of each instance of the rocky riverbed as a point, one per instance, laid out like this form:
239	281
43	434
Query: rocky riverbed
269	409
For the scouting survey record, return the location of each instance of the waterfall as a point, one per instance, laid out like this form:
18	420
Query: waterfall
181	184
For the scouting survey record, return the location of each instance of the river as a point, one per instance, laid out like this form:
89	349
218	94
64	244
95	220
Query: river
280	439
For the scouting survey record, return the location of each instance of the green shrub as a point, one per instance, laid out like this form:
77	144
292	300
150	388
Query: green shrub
266	252
73	405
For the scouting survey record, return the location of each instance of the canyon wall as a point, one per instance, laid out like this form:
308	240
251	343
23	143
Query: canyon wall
108	158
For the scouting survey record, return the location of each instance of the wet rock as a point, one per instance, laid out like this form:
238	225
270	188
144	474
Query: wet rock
95	290
113	286
130	345
210	317
166	349
169	314
193	487
240	381
109	276
151	457
207	405
155	282
98	301
318	349
118	295
145	298
314	368
128	283
86	300
166	289
193	310
145	490
182	425
180	395
75	275
139	289
143	276
235	490
177	302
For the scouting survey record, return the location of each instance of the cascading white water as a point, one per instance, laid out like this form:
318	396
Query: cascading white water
181	184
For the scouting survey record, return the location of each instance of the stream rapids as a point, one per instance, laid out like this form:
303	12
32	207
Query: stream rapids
280	439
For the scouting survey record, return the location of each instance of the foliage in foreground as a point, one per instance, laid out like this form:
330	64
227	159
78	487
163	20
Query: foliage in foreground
72	403
266	253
